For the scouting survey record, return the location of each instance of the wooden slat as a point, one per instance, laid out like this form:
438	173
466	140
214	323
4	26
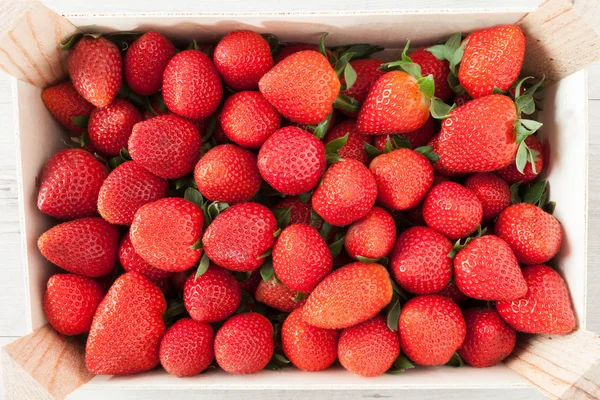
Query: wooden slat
42	365
563	36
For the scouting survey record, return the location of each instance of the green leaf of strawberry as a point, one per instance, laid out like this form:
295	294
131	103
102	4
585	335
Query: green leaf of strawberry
81	121
282	215
514	193
389	147
346	103
393	313
371	150
266	270
203	266
322	48
349	76
194	196
273	41
439	109
71	42
427	151
400	142
401	364
321	129
336	247
536	193
456	361
335	145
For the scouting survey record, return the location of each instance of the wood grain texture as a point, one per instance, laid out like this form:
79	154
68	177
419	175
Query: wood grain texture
56	366
562	37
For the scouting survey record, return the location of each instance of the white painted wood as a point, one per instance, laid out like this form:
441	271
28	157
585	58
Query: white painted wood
594	81
593	278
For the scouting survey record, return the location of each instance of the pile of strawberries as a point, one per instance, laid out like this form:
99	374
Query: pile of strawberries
260	204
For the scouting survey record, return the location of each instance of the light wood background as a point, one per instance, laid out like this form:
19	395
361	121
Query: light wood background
12	285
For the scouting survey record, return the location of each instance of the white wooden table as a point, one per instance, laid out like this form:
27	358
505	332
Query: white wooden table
12	285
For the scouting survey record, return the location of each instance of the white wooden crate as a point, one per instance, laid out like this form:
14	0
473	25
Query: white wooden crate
554	364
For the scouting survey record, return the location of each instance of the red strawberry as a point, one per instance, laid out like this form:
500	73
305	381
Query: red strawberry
355	146
238	237
452	210
301	258
311	128
64	103
164	233
462	98
228	173
403	178
96	70
534	235
191	85
372	236
367	73
492	191
309	348
127	328
492	58
511	174
370	348
489	339
348	296
85	246
300	212
187	348
453	293
478	137
545	309
486	269
440	69
347	193
415	215
302	87
419	261
250	285
242	58
248	119
275	294
145	62
168	146
127	188
133	262
70	302
110	127
244	344
180	278
394	104
431	329
70	183
213	296
289	49
417	138
292	160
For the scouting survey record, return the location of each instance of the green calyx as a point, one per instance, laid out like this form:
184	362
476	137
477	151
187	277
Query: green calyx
335	248
427	152
451	51
345	103
273	41
456	361
203	266
80	121
331	149
394	307
525	104
282	215
322	127
536	193
266	270
382	260
210	210
401	364
118	160
462	243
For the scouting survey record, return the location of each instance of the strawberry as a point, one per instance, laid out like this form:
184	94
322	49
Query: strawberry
64	103
492	191
248	119
278	296
367	73
187	348
487	269
213	296
96	69
492	57
127	188
145	62
192	87
355	144
69	184
110	127
348	296
440	69
291	48
168	146
403	178
511	174
534	235
489	339
228	173
372	236
85	246
452	210
244	344
302	87
238	237
70	302
133	262
395	104
165	233
300	212
419	261
545	309
242	58
309	348
417	138
292	160
347	193
180	278
452	292
311	128
462	98
301	258
415	215
431	329
127	328
250	285
369	348
478	137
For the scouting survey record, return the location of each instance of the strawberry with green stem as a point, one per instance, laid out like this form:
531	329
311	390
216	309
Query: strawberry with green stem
67	106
